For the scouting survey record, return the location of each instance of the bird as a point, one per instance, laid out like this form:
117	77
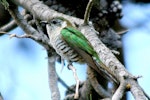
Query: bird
65	39
73	46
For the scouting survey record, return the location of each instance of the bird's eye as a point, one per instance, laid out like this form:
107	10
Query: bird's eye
54	22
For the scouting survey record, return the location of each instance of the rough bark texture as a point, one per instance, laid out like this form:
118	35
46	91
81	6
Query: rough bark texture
55	94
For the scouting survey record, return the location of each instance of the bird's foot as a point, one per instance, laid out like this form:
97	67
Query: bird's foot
71	67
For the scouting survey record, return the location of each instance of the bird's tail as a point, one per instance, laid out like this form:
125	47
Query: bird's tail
97	65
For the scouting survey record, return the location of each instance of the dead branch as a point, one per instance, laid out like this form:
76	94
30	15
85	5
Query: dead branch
11	25
88	11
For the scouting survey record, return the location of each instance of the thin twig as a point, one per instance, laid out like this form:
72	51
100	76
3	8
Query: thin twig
123	32
120	91
97	87
88	11
9	26
12	24
2	32
64	84
21	36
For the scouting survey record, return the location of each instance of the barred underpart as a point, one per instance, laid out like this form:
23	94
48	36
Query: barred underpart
64	50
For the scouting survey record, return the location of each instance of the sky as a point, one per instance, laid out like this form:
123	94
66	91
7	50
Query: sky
23	62
136	42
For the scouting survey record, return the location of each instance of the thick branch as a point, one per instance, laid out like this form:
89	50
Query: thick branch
53	80
43	12
21	22
137	91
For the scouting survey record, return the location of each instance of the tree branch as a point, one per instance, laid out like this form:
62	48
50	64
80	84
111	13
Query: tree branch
28	29
136	90
63	83
97	87
120	90
11	25
55	94
21	22
44	12
88	11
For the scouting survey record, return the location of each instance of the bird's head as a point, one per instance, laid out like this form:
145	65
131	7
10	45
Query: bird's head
56	24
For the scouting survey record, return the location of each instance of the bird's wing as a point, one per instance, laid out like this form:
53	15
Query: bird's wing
76	39
76	32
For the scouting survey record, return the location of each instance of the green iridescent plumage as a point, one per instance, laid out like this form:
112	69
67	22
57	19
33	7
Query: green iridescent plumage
76	39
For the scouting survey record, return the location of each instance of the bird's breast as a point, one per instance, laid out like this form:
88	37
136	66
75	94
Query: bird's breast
65	51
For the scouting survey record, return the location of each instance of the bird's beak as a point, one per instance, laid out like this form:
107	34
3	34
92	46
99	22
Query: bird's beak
43	22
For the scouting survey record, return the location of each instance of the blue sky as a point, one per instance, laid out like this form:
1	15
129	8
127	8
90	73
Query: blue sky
23	63
136	42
